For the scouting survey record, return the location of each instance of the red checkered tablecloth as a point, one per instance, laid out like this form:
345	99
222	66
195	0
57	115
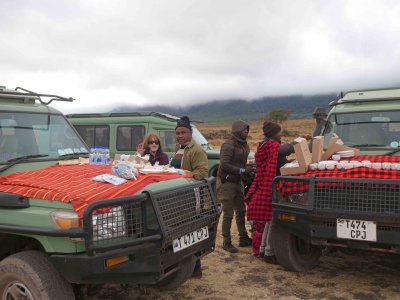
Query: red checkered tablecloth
73	184
297	186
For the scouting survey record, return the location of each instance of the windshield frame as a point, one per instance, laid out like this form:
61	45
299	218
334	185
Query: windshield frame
48	114
335	114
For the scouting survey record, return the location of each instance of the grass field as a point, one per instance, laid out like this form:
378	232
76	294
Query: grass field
216	132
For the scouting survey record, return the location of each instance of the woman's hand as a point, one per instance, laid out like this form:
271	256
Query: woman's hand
140	149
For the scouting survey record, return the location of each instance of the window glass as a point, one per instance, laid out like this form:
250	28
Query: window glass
168	140
94	135
24	134
128	137
379	129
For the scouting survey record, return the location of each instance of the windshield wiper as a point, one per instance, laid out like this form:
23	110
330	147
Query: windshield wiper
19	158
72	155
16	160
367	145
393	151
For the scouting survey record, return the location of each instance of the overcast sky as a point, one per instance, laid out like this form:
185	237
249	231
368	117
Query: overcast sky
180	52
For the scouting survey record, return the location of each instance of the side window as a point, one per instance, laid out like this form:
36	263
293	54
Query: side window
168	140
128	137
94	135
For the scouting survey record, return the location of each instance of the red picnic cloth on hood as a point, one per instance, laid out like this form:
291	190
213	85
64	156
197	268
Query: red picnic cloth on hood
73	184
289	187
259	197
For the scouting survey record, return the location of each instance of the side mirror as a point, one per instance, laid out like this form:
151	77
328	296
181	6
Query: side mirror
320	116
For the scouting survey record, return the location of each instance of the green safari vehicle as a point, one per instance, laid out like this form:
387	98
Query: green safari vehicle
122	132
360	212
48	250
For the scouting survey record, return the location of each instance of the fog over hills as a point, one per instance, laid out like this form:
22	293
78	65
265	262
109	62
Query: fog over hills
300	106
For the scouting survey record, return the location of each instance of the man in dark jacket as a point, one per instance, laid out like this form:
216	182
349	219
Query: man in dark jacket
234	152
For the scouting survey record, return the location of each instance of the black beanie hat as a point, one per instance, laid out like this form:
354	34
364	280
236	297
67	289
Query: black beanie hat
270	129
184	122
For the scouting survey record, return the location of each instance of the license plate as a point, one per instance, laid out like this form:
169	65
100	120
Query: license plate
190	239
356	230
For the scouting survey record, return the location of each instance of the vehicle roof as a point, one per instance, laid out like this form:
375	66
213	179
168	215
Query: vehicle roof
122	115
12	100
367	100
372	95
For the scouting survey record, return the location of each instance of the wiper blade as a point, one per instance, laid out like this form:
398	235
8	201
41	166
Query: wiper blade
16	160
393	151
367	145
69	155
19	158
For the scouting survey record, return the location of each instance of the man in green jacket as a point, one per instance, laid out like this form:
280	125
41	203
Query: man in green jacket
234	152
190	156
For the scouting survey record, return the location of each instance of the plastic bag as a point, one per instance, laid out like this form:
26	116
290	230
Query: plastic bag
125	169
115	180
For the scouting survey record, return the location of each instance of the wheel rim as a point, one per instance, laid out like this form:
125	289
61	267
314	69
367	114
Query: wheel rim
17	291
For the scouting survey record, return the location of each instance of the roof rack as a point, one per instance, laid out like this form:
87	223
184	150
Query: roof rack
19	91
387	94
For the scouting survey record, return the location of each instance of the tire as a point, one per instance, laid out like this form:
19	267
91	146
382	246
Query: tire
179	277
30	275
292	252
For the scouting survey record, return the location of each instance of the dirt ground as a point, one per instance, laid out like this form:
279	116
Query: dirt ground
359	275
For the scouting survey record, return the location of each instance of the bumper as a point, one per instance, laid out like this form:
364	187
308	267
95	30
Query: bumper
320	229
147	263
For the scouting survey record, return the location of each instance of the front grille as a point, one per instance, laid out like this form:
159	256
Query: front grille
183	210
119	223
359	197
345	196
150	216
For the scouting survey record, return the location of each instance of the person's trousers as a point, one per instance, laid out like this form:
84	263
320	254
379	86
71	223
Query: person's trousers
262	238
231	196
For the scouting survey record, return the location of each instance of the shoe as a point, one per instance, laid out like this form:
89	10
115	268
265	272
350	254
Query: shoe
271	260
245	242
197	274
261	255
230	248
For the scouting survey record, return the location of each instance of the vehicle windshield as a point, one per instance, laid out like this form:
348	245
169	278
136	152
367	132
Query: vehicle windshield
365	129
27	134
200	139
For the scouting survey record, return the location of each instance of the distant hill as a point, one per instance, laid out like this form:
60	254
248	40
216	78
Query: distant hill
300	106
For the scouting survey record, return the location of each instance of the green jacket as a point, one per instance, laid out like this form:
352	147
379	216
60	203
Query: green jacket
195	160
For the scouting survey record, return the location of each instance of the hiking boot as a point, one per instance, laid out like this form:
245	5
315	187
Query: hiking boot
245	242
230	248
271	260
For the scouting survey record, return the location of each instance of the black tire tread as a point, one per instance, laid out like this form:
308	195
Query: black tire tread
35	270
286	253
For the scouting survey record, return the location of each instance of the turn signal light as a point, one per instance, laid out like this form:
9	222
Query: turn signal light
65	219
111	262
287	217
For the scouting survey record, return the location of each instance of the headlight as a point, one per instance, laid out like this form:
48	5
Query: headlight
109	225
301	198
65	219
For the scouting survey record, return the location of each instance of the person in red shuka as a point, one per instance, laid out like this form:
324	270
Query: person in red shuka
270	156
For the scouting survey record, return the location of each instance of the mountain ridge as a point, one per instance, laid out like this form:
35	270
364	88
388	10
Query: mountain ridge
299	106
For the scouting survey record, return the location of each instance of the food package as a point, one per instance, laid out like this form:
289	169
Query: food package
303	157
335	145
317	149
125	169
138	161
108	178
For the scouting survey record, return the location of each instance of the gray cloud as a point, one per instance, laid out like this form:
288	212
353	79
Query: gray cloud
187	51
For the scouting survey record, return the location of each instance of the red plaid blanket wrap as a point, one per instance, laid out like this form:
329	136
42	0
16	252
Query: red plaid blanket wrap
259	197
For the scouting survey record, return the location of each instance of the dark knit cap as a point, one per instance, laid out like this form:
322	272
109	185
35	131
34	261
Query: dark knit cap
184	122
270	129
